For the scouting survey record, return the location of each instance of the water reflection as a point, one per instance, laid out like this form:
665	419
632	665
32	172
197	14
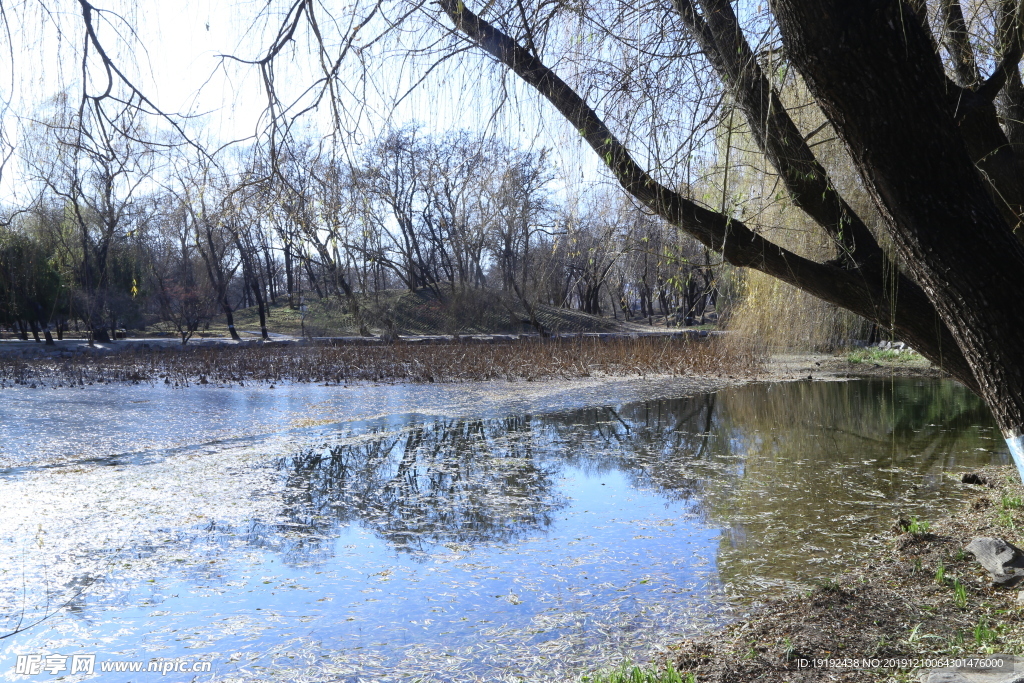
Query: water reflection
445	481
791	473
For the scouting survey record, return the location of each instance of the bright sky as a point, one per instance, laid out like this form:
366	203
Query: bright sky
180	70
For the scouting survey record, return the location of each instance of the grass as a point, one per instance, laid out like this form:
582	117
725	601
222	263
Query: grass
918	527
959	594
525	360
1011	502
1008	505
884	356
636	674
983	635
414	313
1006	519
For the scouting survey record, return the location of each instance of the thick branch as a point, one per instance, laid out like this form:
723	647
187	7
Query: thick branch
958	43
722	41
914	316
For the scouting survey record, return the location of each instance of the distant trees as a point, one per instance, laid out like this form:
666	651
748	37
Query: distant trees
119	233
30	288
94	173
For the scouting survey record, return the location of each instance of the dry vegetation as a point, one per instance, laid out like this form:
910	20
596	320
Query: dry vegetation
525	360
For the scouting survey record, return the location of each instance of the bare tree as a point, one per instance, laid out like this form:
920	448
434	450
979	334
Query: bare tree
203	191
96	173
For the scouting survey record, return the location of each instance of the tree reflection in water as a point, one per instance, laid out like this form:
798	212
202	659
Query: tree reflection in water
789	472
440	482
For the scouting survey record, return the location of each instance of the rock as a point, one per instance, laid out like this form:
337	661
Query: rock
1004	561
1008	670
973	478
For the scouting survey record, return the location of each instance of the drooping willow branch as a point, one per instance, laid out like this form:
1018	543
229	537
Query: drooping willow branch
913	313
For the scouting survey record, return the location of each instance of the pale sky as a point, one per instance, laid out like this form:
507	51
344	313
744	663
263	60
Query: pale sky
181	72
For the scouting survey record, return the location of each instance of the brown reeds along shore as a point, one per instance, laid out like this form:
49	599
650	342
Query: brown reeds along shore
323	362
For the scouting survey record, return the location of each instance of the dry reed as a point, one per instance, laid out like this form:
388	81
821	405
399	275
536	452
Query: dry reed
525	360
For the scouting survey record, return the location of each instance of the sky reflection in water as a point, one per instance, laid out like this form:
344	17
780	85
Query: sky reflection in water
283	545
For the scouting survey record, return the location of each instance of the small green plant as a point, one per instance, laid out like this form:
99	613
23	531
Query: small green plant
983	635
960	555
1012	503
918	527
940	574
959	593
915	635
829	585
1005	518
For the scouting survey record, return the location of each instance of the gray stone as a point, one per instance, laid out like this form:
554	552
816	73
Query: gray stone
1004	561
1010	671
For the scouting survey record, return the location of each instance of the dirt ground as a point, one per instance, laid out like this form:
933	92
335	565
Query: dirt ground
826	366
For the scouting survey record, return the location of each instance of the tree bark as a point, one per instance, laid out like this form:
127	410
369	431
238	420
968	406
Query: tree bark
883	88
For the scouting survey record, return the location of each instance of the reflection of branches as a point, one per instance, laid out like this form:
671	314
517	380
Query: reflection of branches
482	481
46	615
450	481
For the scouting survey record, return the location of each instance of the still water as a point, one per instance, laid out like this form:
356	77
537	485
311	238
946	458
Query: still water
450	534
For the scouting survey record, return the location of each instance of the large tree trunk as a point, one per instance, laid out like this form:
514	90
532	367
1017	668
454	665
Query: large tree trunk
878	79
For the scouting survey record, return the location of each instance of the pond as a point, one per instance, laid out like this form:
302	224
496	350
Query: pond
483	532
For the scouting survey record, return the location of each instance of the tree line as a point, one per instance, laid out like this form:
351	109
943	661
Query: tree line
120	234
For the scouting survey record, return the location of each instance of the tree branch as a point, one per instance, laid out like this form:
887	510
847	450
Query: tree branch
958	43
1011	44
914	315
776	134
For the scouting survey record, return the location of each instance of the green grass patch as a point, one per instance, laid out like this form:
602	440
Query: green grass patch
918	527
423	312
635	674
884	356
1012	502
983	634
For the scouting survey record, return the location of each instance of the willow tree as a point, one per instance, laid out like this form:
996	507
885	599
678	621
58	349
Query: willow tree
936	143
